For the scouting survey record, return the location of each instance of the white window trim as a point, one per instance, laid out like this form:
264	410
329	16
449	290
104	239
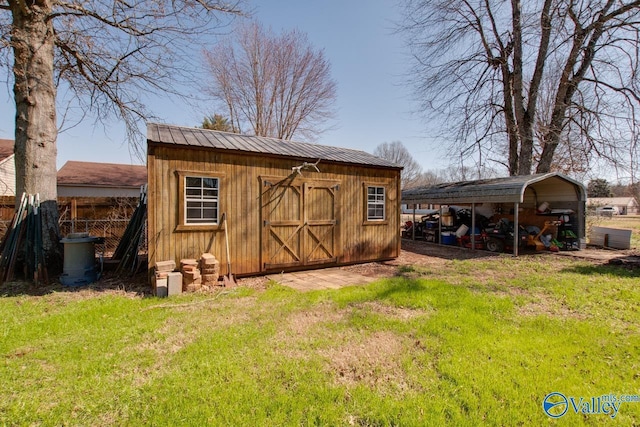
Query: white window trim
377	203
181	224
201	200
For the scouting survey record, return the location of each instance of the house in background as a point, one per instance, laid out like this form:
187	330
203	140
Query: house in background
89	179
92	190
282	213
7	182
625	205
7	168
86	191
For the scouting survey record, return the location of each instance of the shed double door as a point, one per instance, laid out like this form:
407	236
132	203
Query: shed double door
299	223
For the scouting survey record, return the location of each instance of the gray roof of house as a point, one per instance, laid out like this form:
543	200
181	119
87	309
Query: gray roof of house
6	148
612	201
508	189
203	138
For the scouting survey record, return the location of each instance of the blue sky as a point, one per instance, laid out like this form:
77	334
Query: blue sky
368	62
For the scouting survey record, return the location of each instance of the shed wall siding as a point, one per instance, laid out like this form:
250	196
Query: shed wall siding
240	198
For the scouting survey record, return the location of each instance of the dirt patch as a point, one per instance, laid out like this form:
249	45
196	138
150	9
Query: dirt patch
541	304
109	284
423	253
374	269
302	322
259	283
352	358
302	329
437	258
374	360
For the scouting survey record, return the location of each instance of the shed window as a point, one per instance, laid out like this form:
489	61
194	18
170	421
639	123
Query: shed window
375	203
201	200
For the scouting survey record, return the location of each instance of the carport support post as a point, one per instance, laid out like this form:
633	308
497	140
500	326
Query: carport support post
473	226
413	227
516	228
440	227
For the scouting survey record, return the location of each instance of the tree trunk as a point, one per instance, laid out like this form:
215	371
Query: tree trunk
551	141
510	121
32	39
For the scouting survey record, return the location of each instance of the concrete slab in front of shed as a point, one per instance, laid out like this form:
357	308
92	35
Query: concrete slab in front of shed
327	278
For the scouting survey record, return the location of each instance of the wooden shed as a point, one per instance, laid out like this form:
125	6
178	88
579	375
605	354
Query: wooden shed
282	213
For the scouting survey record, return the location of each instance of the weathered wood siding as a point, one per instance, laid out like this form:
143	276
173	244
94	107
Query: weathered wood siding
242	197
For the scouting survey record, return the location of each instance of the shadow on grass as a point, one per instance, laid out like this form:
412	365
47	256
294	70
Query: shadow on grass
108	283
401	286
620	270
421	247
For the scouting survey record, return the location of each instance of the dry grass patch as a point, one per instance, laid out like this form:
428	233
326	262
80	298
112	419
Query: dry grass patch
390	311
373	361
304	330
300	323
549	307
170	338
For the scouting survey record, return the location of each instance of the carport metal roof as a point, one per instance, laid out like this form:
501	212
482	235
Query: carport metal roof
548	186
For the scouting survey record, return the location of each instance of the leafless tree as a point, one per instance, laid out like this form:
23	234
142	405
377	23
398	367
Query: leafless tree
428	178
486	66
397	153
272	85
103	54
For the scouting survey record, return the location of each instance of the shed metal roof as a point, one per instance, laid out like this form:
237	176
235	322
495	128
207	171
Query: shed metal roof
498	190
204	138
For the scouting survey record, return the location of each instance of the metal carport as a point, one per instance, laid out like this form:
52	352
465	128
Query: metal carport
527	191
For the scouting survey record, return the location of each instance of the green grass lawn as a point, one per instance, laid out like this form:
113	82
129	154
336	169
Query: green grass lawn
472	342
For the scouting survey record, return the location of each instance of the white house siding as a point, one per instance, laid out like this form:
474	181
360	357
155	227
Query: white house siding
625	205
8	177
81	191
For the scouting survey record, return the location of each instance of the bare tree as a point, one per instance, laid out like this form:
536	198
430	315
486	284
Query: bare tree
105	55
486	66
429	178
397	153
272	85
